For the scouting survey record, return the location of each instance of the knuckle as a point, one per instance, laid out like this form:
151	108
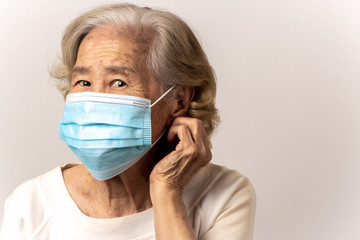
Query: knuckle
183	128
193	150
199	122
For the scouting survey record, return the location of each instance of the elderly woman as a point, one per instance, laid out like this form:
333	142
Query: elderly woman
139	114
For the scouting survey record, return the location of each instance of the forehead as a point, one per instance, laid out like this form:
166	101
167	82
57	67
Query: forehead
111	35
110	45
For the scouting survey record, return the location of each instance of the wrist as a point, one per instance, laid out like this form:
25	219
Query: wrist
164	191
170	214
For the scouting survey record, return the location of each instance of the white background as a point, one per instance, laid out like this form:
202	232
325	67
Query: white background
288	93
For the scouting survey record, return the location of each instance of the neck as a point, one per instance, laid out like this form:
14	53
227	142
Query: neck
126	194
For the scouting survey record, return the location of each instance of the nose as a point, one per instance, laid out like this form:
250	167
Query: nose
98	86
98	89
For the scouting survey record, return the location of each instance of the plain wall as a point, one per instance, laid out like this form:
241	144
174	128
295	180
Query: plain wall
288	93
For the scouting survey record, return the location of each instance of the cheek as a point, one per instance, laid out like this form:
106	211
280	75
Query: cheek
159	118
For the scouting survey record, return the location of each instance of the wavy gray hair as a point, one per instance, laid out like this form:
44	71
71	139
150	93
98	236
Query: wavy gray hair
175	56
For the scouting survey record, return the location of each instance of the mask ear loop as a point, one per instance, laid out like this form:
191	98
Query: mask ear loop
157	140
161	97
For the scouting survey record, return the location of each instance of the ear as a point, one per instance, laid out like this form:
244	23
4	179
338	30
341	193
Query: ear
181	102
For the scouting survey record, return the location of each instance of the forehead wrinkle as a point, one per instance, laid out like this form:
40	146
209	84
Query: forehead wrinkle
118	51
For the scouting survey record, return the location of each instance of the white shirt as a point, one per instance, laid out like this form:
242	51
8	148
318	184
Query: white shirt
220	204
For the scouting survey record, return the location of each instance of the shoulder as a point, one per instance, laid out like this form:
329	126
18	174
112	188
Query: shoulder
230	192
231	184
217	183
25	198
223	203
26	209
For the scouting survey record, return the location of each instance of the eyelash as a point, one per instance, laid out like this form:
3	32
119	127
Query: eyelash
117	80
81	82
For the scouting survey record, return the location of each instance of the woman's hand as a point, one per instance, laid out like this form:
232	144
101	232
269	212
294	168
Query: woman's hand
191	154
171	173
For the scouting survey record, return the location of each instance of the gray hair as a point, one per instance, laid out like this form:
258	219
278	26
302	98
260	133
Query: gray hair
175	56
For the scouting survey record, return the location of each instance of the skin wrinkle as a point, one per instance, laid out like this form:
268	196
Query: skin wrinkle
153	181
112	70
114	195
107	48
100	50
110	48
143	39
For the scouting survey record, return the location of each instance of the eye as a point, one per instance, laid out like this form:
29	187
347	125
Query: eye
84	83
118	83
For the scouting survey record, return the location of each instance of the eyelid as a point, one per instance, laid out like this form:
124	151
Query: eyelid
116	80
79	81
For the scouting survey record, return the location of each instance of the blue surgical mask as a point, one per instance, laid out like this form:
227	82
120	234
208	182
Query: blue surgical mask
108	132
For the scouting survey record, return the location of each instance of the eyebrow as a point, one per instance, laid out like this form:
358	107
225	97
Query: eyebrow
109	69
81	70
118	69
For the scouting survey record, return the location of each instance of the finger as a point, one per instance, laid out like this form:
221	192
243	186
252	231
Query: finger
195	126
198	134
180	132
189	149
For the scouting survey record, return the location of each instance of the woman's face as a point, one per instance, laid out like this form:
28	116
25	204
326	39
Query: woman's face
113	61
